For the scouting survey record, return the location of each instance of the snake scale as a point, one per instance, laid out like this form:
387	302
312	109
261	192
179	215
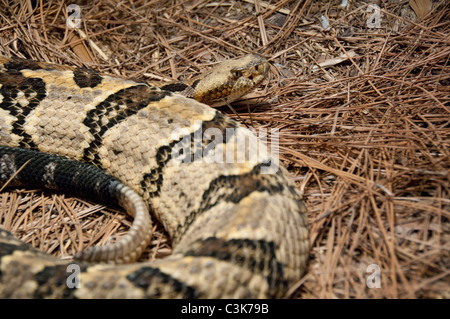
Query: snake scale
237	224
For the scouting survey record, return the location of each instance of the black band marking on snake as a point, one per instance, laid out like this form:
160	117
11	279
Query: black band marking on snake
158	280
152	181
115	109
21	95
258	256
86	78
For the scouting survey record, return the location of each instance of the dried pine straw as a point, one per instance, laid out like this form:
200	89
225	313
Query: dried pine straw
363	115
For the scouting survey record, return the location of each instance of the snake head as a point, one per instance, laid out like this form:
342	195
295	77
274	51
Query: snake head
230	80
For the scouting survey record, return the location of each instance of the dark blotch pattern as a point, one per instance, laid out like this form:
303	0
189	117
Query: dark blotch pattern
14	84
258	256
122	104
236	187
196	82
154	281
175	87
52	281
86	78
21	64
153	180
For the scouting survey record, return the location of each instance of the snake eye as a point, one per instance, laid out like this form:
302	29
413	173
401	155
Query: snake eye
236	73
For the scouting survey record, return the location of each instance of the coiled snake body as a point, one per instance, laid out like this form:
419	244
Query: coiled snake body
237	223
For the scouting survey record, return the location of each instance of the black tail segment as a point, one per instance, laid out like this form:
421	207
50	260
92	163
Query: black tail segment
35	169
30	168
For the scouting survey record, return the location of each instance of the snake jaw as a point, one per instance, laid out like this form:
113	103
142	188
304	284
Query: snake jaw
230	80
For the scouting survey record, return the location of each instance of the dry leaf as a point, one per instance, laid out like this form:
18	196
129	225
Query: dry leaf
421	7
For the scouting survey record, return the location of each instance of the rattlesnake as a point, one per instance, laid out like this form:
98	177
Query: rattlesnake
237	224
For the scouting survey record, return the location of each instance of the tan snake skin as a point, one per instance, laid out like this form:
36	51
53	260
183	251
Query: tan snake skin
237	231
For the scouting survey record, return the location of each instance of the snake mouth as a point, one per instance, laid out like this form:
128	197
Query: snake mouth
256	71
